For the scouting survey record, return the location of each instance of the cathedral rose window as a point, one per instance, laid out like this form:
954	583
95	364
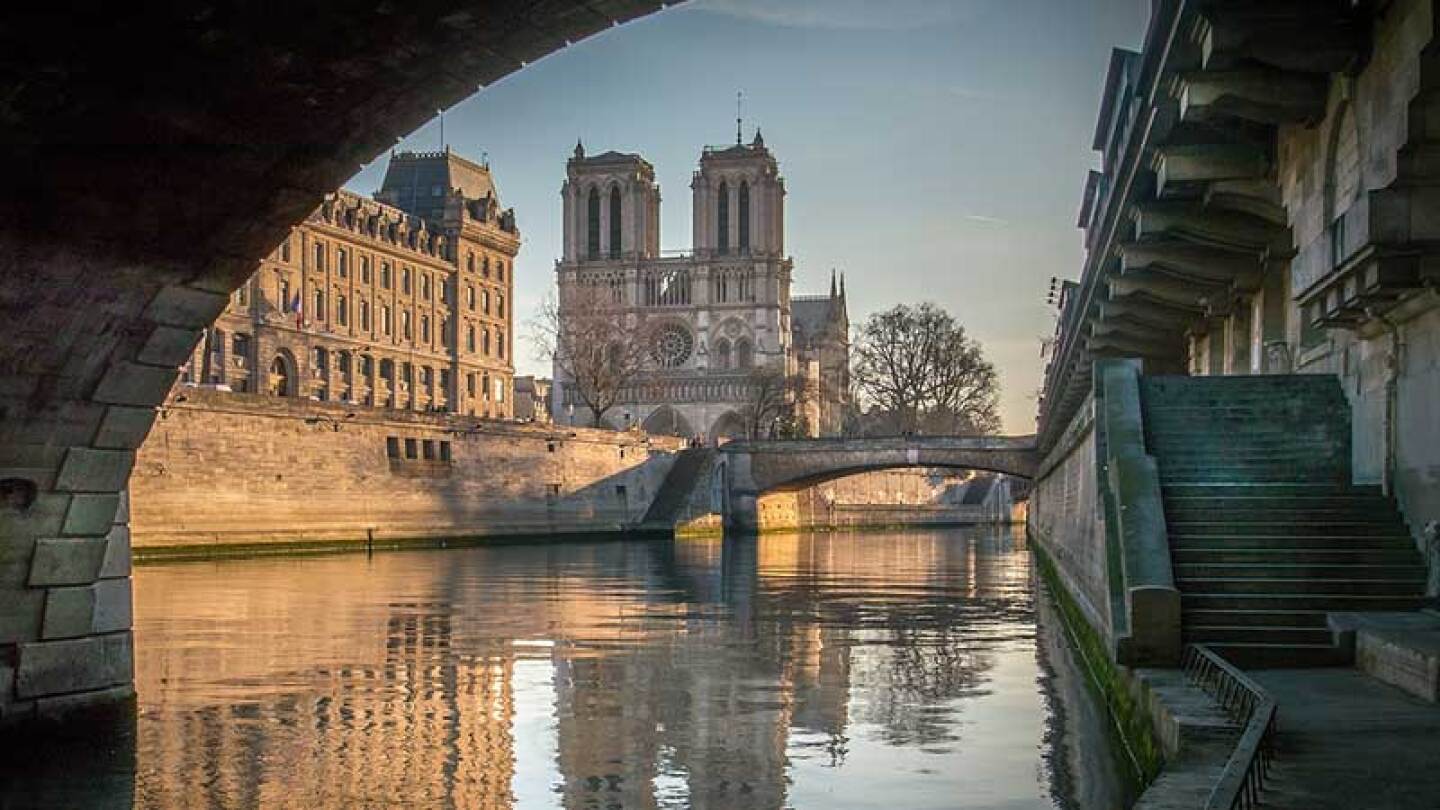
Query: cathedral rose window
673	345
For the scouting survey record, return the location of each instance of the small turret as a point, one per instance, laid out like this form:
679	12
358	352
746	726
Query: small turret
579	150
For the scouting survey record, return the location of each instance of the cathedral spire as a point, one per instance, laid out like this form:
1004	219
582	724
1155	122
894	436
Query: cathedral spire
832	282
842	285
739	96
579	149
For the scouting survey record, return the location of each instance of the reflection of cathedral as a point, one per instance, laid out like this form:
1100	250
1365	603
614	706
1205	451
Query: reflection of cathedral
719	312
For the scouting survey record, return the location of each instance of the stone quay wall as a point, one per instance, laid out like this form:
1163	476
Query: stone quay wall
234	470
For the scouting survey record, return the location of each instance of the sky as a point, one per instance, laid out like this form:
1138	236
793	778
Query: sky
933	150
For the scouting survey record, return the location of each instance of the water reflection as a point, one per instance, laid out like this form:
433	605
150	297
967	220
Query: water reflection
874	670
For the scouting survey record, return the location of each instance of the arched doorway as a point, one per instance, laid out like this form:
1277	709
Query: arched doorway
728	428
282	375
667	421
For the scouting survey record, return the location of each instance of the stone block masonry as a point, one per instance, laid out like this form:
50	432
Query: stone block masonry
223	472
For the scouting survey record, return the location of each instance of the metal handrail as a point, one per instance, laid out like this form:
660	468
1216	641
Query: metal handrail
1245	701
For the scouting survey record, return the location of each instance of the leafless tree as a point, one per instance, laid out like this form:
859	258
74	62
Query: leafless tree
919	371
773	404
595	348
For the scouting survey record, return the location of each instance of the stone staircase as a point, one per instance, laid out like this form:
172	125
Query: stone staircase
1267	534
675	493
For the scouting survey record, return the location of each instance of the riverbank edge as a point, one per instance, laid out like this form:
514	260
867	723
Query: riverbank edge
702	529
143	555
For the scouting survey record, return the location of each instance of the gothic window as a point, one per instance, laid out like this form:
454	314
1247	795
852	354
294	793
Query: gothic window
614	222
722	354
742	354
667	288
722	240
673	345
592	225
744	217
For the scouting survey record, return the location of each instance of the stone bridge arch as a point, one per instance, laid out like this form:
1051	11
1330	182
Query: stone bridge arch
155	156
754	468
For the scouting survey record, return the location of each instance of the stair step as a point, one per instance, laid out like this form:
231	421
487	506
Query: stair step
1196	600
1329	501
1256	634
1231	490
1274	656
1299	570
1297	528
1199	617
1391	586
1281	511
1281	542
1217	555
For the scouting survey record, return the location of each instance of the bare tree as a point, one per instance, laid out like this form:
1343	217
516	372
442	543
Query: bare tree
773	403
919	371
595	348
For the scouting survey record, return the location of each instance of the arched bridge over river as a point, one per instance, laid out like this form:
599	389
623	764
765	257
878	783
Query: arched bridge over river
755	467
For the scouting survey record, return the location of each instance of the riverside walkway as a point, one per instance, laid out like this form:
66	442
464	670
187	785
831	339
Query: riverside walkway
1350	742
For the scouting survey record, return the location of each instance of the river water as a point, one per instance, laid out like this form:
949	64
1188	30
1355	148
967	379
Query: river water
908	670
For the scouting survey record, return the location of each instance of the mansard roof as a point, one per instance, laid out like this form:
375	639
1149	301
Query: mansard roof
412	178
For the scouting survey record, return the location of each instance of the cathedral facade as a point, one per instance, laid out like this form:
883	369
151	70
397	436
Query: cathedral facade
717	313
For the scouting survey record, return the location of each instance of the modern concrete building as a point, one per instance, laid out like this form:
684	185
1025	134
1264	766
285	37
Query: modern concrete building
719	310
397	302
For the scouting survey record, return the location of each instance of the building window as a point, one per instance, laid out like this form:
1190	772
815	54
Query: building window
444	451
385	275
392	447
470	338
470	383
410	449
500	342
364	269
722	237
470	262
405	280
319	305
285	250
319	256
365	316
445	332
425	328
614	222
470	295
240	348
499	271
485	386
425	287
592	227
286	305
485	301
744	216
385	319
342	263
742	354
485	341
485	267
321	359
427	449
445	381
405	324
342	362
500	390
499	305
722	354
444	290
342	311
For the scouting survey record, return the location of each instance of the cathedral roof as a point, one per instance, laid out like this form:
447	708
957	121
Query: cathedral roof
814	315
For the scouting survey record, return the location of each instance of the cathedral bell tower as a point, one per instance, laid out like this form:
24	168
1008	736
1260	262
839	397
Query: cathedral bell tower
739	202
612	207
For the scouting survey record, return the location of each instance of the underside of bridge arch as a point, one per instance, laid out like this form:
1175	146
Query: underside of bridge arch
805	482
156	151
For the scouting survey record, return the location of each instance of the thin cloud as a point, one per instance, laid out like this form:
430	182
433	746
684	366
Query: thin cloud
849	15
984	220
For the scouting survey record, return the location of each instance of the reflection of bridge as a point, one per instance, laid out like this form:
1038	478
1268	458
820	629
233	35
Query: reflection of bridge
755	467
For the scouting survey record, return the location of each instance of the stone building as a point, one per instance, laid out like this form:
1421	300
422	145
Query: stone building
719	311
401	301
532	399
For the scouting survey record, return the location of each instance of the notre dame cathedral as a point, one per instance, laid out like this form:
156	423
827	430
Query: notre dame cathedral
718	311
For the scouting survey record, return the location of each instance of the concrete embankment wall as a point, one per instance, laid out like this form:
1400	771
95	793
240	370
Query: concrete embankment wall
233	470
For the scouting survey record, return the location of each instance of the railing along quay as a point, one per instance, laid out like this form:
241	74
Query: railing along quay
1245	701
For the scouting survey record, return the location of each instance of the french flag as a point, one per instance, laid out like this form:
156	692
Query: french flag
295	306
